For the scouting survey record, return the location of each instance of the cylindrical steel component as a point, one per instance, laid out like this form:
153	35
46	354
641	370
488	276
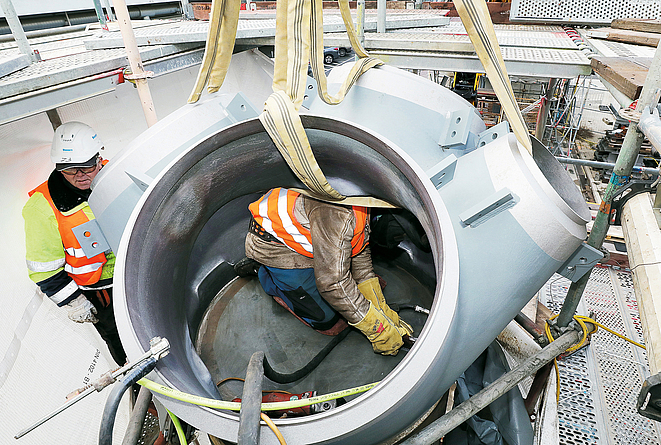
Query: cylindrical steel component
499	222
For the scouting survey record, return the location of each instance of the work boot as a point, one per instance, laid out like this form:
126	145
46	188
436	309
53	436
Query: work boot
247	267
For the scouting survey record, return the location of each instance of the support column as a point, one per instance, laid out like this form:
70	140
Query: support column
623	165
17	29
544	110
381	16
139	74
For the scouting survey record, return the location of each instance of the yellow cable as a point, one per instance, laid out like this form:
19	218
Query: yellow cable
236	406
581	320
274	428
177	426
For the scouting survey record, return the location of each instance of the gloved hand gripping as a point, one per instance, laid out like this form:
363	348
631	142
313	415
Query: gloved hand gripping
81	310
380	331
372	291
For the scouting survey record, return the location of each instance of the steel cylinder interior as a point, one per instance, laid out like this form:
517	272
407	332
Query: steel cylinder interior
191	229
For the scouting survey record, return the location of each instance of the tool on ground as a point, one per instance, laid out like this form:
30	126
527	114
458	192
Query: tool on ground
159	349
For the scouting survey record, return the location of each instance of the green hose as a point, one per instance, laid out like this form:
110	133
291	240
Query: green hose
177	426
236	406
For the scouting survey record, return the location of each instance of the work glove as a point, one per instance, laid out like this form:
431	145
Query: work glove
371	289
81	310
380	331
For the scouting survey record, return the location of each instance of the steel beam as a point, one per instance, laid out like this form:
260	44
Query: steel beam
484	398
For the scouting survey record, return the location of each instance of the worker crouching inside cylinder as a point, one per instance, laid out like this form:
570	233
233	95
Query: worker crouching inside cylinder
316	262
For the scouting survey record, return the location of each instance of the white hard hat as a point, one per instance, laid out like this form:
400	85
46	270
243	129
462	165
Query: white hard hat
74	145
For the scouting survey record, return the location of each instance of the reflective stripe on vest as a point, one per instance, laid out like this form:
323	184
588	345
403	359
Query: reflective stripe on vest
45	266
275	213
83	270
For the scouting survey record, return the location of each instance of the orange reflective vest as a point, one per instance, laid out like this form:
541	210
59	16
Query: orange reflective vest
275	213
84	271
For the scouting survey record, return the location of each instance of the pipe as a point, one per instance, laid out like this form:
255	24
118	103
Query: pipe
17	29
135	62
108	8
623	165
137	419
439	428
381	16
251	401
650	125
544	110
530	327
99	14
110	410
360	22
608	165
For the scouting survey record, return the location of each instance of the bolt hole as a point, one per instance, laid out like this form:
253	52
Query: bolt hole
458	120
482	144
454	133
87	234
494	136
243	107
95	244
310	87
305	97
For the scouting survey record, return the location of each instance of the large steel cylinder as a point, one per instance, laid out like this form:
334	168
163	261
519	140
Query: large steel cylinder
499	222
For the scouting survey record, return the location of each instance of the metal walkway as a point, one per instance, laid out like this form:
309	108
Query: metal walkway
600	383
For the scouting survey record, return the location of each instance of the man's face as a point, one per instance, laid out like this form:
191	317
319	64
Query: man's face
81	178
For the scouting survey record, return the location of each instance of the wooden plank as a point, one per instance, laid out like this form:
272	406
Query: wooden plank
644	25
643	238
626	36
627	74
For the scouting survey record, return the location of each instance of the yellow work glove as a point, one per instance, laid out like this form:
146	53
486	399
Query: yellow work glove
371	289
380	331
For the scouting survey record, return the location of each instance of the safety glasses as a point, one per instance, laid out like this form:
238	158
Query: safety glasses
84	170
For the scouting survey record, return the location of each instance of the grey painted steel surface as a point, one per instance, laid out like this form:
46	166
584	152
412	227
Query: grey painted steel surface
490	213
11	63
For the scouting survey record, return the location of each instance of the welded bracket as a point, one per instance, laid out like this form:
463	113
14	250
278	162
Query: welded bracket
580	262
443	172
649	399
488	208
91	238
456	127
241	109
140	179
493	133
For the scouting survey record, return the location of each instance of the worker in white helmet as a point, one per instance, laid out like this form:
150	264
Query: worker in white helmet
55	259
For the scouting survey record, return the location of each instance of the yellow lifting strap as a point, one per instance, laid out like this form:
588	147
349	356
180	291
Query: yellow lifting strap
298	41
475	16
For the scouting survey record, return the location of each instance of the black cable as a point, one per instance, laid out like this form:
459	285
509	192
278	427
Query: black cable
278	377
110	410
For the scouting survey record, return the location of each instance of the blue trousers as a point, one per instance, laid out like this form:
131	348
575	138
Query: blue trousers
297	288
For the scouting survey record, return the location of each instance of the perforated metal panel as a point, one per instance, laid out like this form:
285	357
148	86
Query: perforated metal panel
600	383
584	11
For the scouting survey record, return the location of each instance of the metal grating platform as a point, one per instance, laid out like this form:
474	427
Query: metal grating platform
583	11
600	383
196	31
